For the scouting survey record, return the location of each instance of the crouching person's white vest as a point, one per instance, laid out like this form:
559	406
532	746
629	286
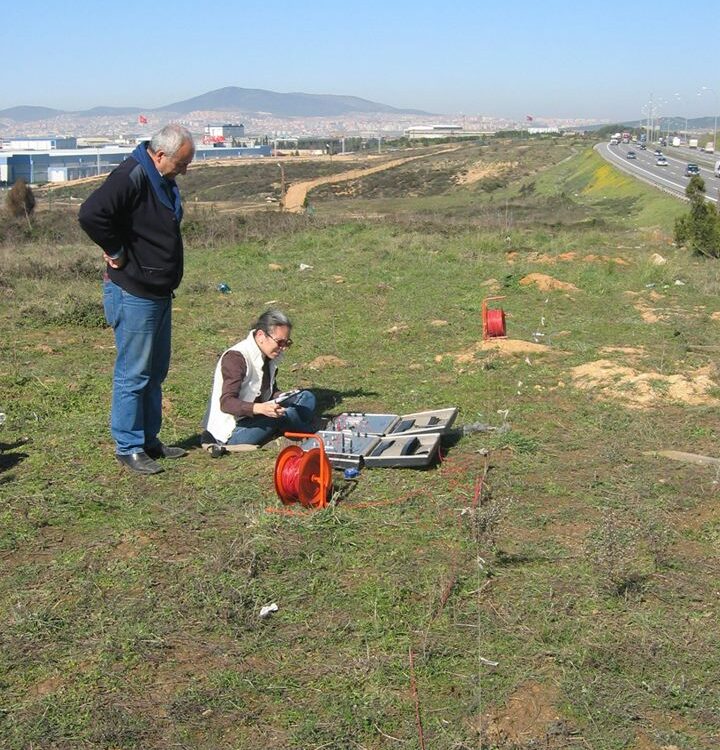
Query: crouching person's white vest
217	422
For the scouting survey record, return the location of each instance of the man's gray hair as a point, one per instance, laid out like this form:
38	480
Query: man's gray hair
270	319
170	138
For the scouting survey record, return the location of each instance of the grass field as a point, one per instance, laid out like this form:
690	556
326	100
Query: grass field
550	584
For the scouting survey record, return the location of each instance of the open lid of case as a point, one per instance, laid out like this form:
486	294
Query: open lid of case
436	420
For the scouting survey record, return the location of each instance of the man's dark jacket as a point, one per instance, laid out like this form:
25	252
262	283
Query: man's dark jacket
126	214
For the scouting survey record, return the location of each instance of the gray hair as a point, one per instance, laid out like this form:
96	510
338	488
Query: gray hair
270	319
170	139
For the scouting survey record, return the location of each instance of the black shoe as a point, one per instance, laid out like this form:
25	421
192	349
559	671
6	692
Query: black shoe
140	463
165	451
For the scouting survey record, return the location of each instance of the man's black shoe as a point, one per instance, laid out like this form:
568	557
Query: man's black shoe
165	451
140	463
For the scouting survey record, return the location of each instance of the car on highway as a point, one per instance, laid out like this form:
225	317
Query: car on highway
631	155
661	161
692	169
643	147
658	152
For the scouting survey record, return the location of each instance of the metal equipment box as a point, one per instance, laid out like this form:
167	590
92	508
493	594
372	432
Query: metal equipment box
351	450
435	421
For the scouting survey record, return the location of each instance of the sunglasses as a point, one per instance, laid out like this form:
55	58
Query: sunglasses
282	343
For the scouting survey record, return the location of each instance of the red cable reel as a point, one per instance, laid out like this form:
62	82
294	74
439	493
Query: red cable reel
303	477
493	320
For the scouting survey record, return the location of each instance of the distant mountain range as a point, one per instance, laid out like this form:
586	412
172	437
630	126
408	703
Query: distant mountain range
229	99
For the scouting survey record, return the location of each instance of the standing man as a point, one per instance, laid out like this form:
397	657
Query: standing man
134	216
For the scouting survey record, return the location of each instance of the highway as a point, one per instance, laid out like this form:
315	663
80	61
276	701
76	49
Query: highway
671	178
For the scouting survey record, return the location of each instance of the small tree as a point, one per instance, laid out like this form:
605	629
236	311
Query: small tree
700	229
21	201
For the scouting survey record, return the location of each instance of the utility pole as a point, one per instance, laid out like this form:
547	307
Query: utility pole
282	185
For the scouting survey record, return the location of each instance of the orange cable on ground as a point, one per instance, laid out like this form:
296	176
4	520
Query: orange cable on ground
355	506
413	688
452	580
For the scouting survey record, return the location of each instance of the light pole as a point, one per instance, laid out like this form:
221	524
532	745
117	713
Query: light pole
682	104
645	110
661	103
651	120
714	93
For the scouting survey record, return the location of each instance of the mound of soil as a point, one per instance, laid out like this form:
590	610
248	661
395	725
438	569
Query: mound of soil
638	390
547	283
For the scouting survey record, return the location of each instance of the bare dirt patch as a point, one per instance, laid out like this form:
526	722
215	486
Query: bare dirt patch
648	314
506	347
638	390
573	256
631	351
131	545
46	687
528	717
481	170
326	360
547	283
654	314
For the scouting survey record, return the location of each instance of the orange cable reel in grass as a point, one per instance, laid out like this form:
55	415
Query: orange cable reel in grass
301	476
493	320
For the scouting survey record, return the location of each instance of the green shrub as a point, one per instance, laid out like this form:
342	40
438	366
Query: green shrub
700	229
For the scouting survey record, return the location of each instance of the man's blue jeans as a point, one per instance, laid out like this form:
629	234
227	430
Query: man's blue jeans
299	417
142	339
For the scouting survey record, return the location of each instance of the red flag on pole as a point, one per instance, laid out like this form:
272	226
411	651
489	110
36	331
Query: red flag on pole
142	119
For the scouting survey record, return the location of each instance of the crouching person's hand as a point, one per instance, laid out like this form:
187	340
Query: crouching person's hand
269	409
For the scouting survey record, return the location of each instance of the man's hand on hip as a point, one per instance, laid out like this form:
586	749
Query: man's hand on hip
117	262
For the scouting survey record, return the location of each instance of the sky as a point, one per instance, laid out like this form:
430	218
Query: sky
598	60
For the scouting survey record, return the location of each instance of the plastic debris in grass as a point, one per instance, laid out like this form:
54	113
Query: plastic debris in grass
473	427
267	610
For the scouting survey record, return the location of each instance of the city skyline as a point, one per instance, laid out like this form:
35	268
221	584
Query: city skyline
546	60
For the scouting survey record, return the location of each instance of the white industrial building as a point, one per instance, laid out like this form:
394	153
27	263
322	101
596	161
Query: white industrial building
227	133
61	165
47	143
416	132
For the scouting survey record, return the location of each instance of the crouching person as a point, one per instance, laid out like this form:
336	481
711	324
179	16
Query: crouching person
242	413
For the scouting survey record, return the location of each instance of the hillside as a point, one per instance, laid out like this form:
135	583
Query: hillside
230	99
233	98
